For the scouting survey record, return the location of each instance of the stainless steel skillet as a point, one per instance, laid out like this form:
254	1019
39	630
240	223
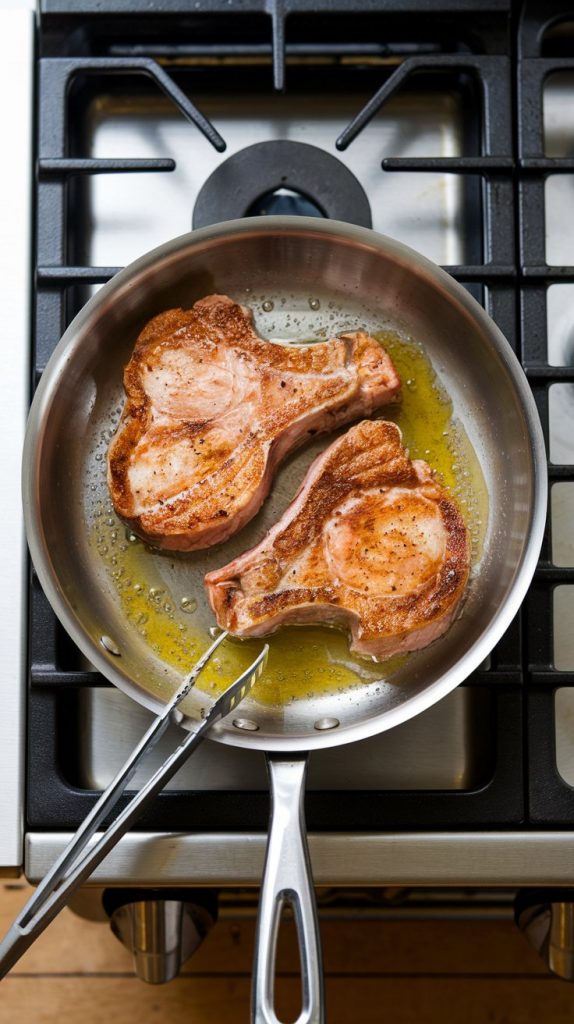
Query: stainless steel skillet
300	276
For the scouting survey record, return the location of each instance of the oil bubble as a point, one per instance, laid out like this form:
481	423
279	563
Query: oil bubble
267	306
188	604
314	304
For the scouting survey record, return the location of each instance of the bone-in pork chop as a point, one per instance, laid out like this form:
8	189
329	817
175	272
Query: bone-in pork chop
212	408
370	541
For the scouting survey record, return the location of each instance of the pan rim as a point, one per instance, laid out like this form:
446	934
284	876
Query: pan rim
367	238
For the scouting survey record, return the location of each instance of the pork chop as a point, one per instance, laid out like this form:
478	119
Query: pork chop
211	409
370	542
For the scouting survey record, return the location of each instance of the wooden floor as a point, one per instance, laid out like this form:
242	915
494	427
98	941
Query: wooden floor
480	972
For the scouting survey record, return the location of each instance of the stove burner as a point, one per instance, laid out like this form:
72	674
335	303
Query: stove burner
281	177
283	201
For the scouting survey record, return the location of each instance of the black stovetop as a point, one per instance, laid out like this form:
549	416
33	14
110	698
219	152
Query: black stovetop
497	57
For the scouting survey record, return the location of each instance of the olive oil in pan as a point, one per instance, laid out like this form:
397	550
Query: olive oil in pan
430	432
162	596
302	660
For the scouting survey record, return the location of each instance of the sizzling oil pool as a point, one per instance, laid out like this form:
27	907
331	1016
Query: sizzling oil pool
162	595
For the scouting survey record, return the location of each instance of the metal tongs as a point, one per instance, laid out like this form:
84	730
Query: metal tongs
76	862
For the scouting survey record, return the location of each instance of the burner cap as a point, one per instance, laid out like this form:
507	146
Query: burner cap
281	177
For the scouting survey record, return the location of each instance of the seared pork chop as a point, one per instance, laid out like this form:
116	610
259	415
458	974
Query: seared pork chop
370	541
211	409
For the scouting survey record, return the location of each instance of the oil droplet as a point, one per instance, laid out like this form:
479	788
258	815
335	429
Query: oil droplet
142	619
156	594
314	304
132	537
188	604
267	306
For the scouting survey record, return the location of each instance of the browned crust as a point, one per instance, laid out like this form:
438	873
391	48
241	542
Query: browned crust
252	595
238	476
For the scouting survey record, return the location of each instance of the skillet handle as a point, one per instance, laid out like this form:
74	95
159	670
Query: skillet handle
287	879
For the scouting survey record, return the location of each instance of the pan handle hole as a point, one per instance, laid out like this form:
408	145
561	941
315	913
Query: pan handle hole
288	954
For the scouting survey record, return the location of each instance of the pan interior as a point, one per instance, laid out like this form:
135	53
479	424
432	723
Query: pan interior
152	605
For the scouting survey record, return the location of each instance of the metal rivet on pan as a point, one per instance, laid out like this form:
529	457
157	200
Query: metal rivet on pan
245	723
110	646
327	723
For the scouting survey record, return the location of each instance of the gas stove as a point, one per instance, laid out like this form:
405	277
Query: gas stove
447	125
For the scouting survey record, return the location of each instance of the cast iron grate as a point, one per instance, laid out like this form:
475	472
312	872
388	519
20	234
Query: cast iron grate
79	49
550	798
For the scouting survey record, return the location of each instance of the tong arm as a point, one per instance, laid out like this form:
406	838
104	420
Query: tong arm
77	863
